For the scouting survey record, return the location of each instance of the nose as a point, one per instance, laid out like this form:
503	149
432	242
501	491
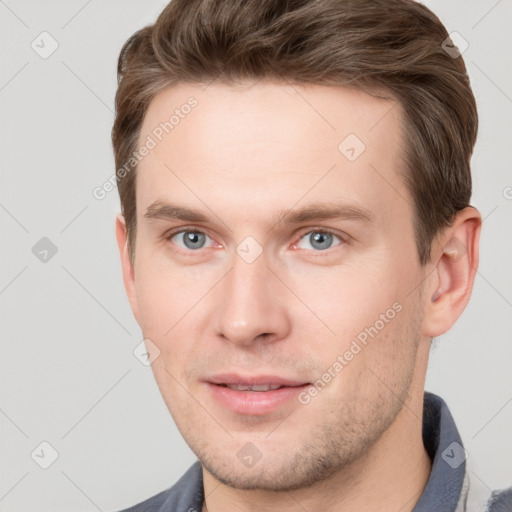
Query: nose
253	304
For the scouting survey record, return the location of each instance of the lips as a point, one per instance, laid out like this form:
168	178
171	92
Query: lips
254	395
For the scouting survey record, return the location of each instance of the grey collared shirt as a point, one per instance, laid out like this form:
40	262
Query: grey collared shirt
450	488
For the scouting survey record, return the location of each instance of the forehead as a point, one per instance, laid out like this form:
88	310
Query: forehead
267	145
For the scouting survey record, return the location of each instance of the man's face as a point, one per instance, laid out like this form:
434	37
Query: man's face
273	247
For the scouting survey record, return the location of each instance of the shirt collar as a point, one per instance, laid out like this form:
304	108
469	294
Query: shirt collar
444	446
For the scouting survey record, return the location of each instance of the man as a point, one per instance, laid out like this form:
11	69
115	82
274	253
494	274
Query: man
295	230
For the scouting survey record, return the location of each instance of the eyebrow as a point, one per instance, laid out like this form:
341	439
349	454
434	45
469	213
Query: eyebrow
314	212
167	211
324	211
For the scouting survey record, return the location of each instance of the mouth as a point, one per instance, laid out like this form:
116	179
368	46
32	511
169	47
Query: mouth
256	388
257	395
265	382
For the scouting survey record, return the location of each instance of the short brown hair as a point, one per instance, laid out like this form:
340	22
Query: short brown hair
390	46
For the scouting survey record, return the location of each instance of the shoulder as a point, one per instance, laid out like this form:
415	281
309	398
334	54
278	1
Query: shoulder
186	495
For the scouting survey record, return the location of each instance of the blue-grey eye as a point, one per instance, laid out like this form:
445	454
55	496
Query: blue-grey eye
318	240
190	239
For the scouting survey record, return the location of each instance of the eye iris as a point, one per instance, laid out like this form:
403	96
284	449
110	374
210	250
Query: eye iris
320	240
193	240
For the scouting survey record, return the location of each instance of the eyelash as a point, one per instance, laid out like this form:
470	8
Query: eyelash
343	238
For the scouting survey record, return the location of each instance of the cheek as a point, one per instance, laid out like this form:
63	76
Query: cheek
174	309
156	301
370	315
348	298
164	292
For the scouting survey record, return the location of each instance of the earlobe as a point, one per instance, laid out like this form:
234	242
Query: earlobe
449	287
126	264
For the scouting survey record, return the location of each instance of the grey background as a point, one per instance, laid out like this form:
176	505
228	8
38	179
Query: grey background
68	374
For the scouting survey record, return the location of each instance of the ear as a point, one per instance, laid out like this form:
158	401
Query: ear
126	264
455	262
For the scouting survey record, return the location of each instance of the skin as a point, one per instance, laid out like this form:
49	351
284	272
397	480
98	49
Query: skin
244	156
